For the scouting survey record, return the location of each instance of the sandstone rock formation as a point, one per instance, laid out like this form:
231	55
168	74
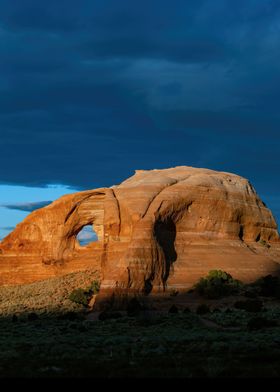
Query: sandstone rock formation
158	230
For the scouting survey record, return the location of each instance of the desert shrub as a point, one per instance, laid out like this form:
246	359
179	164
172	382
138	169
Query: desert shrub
82	296
256	323
264	243
250	305
218	284
173	309
202	309
94	287
268	286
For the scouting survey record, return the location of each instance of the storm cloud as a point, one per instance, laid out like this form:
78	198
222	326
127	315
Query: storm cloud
91	91
28	207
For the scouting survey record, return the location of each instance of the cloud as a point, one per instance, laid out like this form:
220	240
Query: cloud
8	228
29	207
87	235
90	93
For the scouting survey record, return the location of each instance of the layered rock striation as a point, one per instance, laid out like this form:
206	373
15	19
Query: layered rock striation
157	230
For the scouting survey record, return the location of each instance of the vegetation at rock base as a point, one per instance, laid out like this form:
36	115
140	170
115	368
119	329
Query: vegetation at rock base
83	296
168	345
80	296
44	334
218	284
45	297
264	243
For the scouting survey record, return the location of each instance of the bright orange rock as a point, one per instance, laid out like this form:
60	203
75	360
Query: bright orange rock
159	229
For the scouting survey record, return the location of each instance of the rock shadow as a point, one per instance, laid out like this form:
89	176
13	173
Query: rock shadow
165	234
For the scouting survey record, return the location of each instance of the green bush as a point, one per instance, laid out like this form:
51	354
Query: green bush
218	284
94	287
82	296
264	243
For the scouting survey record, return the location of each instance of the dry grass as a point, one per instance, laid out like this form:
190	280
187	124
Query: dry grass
50	295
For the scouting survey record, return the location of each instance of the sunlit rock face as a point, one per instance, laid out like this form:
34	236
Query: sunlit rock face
158	230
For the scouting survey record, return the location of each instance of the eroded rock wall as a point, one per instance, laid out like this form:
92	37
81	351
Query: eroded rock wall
158	229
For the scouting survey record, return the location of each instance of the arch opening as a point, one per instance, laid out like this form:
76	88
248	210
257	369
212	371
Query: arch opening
87	235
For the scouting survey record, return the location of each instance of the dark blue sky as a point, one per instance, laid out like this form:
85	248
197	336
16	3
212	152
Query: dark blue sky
92	90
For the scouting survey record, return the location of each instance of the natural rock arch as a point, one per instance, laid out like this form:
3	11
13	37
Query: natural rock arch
158	230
